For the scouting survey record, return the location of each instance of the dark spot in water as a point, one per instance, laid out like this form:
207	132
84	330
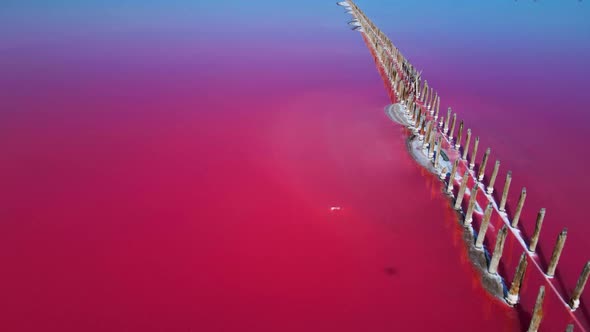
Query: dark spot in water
390	271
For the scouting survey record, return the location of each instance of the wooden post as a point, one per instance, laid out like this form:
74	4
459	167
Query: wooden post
490	188
482	167
575	300
437	108
472	200
452	177
446	129
461	192
505	192
493	269
459	136
538	225
436	159
431	147
484	226
537	311
466	148
557	253
427	132
453	126
519	208
569	328
512	296
474	154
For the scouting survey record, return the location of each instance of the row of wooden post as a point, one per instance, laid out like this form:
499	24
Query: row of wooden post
394	63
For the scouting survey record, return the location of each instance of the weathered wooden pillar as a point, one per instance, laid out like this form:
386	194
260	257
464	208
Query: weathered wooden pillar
474	153
437	158
431	147
537	232
437	108
557	253
453	127
485	222
498	249
575	300
427	135
505	192
461	192
521	200
512	296
433	106
472	200
466	148
482	167
537	311
452	177
490	188
446	128
459	136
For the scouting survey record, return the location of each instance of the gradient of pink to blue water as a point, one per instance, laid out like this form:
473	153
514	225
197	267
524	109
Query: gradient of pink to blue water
171	165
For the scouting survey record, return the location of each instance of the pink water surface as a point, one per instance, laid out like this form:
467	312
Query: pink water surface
176	181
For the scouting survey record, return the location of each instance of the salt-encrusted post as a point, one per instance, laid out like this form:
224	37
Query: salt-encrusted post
557	252
446	129
437	108
575	300
519	208
505	192
431	146
467	141
459	136
428	133
512	296
474	154
482	167
538	225
485	222
461	192
471	206
424	87
436	159
452	177
453	126
490	188
537	311
493	269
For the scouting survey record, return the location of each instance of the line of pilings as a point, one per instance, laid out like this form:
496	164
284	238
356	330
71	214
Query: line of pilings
422	106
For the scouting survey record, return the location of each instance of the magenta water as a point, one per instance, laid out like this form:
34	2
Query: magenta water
173	166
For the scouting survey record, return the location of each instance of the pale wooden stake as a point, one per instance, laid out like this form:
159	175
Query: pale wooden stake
501	239
466	148
482	167
519	206
557	253
484	226
452	177
537	311
490	188
461	192
474	153
505	192
575	300
471	206
538	225
512	296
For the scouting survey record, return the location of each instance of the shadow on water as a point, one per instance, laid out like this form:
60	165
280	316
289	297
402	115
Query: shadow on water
390	271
